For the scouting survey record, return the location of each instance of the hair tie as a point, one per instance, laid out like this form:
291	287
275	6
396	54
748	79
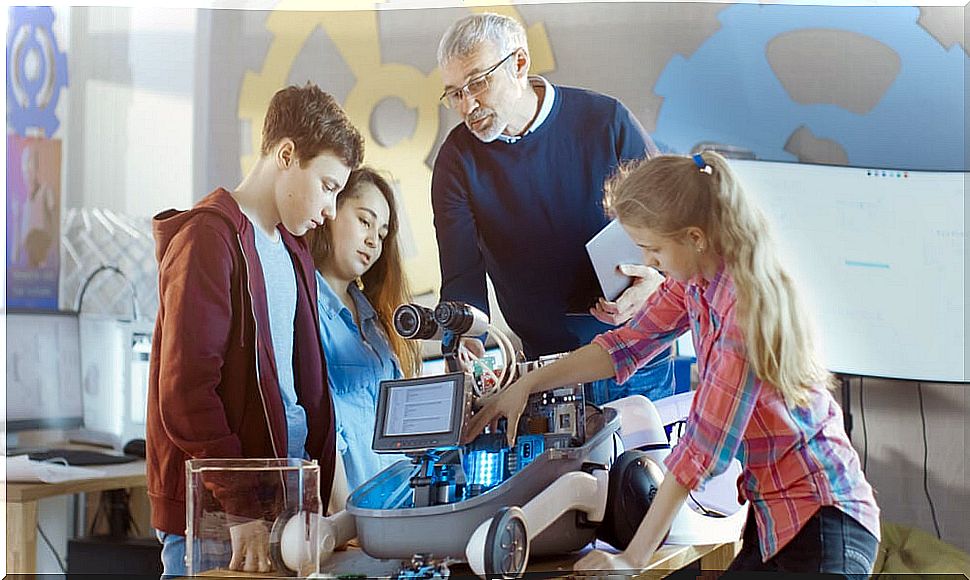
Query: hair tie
702	165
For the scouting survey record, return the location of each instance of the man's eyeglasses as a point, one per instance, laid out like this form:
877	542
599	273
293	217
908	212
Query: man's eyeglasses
473	87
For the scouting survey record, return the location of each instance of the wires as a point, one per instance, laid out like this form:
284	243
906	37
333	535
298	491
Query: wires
677	428
926	487
60	562
115	512
508	356
706	511
486	372
865	432
509	372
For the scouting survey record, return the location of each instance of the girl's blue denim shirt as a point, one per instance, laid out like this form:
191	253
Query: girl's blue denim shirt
358	359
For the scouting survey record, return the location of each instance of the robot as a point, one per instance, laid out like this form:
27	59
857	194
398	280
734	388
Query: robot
487	503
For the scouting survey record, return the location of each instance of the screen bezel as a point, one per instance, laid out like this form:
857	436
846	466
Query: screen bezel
402	443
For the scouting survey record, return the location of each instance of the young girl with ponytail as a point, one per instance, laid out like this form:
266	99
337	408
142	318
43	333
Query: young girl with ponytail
763	396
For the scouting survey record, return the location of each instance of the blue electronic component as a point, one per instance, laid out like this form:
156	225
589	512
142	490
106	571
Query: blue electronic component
486	468
527	448
423	567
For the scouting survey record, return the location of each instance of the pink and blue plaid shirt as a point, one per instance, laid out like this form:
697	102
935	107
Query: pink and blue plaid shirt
795	460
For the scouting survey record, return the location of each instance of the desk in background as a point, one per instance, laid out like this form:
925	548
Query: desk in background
21	505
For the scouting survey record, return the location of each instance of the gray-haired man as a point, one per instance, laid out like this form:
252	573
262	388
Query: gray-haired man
517	191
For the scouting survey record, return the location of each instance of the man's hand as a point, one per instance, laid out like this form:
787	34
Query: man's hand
250	547
600	561
645	281
509	403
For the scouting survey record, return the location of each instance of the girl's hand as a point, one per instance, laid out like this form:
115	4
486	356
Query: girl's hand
600	561
645	281
509	403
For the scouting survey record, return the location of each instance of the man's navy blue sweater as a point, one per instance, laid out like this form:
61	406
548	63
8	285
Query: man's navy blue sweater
523	212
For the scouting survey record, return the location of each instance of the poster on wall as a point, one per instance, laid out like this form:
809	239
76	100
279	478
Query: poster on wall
33	222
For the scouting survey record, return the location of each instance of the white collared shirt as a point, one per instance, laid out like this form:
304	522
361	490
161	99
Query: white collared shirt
547	99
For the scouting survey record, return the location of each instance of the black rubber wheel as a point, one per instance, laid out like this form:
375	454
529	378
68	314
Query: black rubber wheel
507	544
275	549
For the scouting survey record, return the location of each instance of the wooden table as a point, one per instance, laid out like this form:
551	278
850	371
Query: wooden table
665	561
21	503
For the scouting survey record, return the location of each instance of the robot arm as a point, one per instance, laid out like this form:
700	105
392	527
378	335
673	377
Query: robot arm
335	532
296	542
500	545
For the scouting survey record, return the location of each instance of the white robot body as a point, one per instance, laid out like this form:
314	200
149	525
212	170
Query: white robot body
501	543
641	427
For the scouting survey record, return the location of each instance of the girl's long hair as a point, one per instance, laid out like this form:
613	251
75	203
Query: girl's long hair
669	194
385	284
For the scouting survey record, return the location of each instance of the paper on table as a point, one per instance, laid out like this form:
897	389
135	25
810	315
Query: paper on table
21	469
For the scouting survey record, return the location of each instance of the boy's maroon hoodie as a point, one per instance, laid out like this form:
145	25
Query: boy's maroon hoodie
213	388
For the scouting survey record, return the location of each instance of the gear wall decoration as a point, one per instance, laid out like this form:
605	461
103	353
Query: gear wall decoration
354	31
33	91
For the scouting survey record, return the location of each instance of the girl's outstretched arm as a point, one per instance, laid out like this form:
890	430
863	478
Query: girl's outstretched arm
649	535
586	364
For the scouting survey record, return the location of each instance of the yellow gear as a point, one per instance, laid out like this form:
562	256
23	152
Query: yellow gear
354	31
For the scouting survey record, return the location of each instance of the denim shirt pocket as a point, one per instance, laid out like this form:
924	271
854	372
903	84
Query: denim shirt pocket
355	389
351	377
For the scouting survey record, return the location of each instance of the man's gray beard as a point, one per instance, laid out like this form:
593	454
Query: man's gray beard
492	133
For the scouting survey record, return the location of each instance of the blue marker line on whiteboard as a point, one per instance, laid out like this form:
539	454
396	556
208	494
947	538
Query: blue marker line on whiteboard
866	264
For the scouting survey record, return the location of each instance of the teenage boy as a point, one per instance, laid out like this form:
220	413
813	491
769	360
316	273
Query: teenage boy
237	370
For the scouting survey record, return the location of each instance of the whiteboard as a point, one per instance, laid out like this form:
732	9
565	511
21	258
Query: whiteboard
878	256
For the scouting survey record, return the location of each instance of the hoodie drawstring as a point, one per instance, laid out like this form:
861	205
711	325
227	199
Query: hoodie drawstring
242	282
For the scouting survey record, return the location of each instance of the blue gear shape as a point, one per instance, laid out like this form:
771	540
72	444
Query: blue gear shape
20	117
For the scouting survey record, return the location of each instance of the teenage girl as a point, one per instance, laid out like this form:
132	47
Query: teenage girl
360	281
763	395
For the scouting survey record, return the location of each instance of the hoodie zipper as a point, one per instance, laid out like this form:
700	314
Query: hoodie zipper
259	382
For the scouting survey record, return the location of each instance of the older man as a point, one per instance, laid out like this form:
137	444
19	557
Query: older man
517	192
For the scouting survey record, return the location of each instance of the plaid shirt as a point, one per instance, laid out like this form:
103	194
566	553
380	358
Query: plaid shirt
795	460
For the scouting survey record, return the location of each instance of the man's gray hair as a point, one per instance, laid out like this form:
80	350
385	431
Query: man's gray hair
466	36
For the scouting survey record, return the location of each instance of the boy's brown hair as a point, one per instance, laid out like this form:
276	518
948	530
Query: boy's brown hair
315	122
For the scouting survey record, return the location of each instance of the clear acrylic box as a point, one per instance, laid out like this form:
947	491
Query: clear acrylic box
272	506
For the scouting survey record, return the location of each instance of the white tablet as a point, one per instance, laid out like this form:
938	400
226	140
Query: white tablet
608	249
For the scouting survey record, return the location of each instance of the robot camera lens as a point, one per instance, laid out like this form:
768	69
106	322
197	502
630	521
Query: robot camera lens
414	321
407	322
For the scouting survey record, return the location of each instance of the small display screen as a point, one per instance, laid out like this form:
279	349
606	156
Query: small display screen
420	409
420	413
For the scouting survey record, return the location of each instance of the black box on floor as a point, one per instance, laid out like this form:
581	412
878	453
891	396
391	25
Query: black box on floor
108	555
